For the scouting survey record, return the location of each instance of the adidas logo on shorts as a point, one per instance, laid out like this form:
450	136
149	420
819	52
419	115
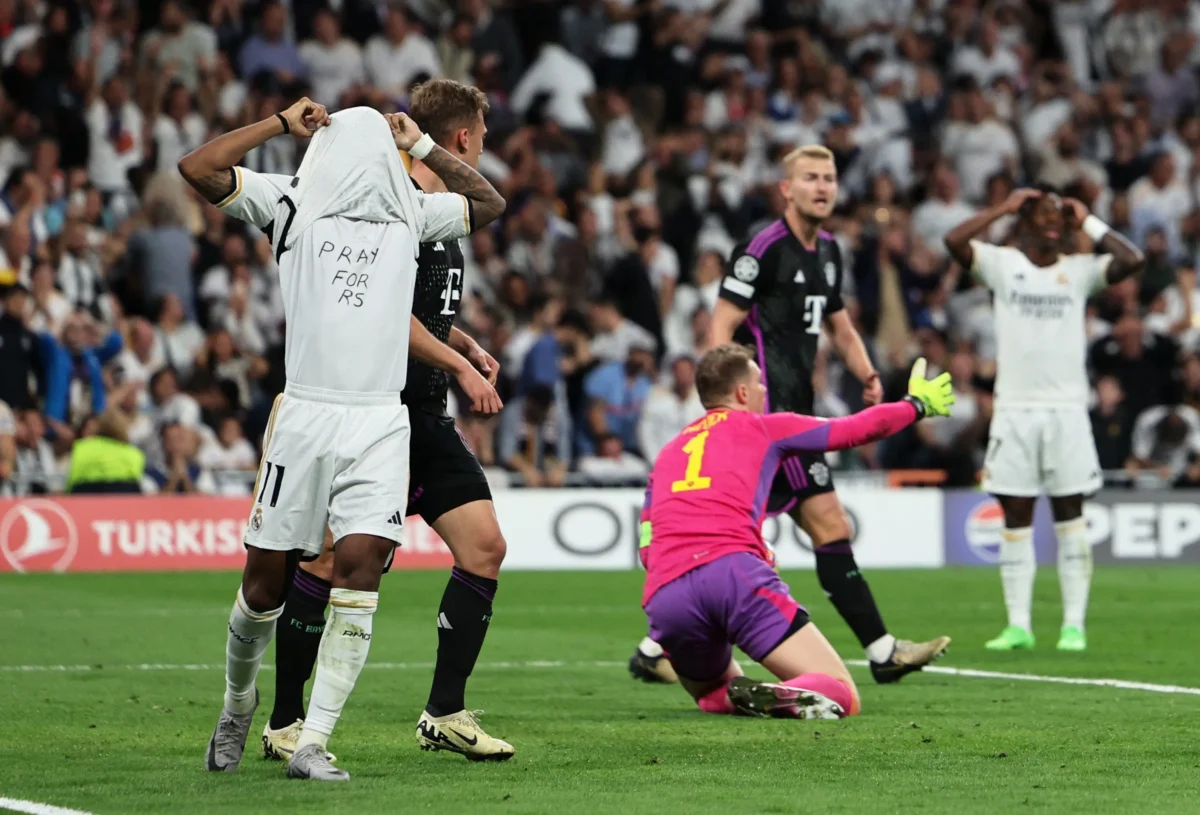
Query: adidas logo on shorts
397	518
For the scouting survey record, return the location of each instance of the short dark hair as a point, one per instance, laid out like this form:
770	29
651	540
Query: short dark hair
720	371
441	106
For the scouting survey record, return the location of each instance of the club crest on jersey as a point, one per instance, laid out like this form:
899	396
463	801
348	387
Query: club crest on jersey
745	269
830	273
819	470
256	519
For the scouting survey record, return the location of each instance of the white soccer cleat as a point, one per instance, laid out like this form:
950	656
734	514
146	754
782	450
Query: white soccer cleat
280	744
460	733
310	762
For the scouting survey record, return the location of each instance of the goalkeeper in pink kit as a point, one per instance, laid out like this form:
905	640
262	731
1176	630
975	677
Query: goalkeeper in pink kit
710	581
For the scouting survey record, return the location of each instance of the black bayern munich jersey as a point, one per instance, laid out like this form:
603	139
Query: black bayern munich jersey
436	301
788	290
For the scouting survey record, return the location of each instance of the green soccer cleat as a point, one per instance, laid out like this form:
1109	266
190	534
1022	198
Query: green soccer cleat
1072	639
1010	639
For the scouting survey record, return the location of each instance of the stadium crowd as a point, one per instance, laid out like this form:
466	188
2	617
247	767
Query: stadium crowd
636	142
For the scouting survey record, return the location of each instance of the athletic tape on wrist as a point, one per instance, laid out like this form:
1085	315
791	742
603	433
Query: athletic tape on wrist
1095	228
423	147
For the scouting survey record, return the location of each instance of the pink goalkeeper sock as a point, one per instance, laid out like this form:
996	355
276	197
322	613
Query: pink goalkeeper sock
716	701
825	685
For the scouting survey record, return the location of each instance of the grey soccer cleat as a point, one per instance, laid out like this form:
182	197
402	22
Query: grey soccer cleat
750	698
228	740
312	762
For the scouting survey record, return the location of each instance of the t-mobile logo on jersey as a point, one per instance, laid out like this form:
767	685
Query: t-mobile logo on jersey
814	310
453	291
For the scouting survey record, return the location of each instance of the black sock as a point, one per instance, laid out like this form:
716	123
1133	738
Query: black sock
848	591
463	619
297	638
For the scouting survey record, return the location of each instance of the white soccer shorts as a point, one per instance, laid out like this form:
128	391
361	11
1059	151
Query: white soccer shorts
1035	451
330	458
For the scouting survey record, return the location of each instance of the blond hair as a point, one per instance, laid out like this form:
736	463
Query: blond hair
815	151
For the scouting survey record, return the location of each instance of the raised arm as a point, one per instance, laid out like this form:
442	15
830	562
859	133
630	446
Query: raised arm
1127	259
958	239
486	203
209	168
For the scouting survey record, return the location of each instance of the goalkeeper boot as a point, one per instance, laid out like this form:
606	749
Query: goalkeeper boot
1072	639
460	733
907	657
312	762
1010	639
751	698
281	744
650	664
228	741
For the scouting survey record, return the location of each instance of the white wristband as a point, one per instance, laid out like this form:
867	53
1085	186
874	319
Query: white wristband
1095	228
425	145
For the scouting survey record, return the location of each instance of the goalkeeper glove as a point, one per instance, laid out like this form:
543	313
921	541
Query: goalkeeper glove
931	397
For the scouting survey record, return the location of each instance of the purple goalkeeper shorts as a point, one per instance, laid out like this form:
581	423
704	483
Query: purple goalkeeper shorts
737	600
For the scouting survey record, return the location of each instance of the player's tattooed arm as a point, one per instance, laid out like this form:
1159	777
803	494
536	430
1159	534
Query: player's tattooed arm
209	168
460	177
486	204
958	240
1127	259
426	348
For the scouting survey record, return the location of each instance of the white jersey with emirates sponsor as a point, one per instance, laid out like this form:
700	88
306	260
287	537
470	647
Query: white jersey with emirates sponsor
347	284
1041	337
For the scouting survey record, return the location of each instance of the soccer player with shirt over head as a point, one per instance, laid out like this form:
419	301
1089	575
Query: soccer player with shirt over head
710	580
783	287
1040	438
346	231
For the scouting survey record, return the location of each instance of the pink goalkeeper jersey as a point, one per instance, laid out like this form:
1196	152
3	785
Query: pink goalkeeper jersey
708	491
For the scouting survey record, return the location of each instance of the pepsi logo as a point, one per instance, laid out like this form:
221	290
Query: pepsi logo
38	536
983	528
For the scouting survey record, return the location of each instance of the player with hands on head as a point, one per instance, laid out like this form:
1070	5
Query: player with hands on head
1040	438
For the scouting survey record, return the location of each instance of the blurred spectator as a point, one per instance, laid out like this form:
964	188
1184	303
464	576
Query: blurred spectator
942	211
395	58
670	407
74	369
116	126
178	129
47	309
106	462
1160	200
1166	440
1112	425
37	467
613	335
979	144
494	38
268	49
172	405
535	437
20	363
79	274
612	464
179	46
454	49
334	63
227	454
561	82
1180	308
616	392
141	358
177	339
1142	362
180	473
541	365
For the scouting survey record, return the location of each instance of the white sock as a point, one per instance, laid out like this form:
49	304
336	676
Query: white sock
1018	565
650	648
250	633
881	649
1074	569
340	659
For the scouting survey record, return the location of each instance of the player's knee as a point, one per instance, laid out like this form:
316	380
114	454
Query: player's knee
359	562
1066	507
322	567
485	555
262	593
1018	512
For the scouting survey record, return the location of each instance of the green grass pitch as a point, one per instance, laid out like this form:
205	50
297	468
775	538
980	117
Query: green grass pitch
118	739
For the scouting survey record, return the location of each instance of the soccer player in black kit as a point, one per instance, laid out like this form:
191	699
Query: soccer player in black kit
782	287
447	486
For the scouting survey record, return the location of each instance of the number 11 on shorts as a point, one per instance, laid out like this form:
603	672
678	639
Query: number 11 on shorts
692	480
279	470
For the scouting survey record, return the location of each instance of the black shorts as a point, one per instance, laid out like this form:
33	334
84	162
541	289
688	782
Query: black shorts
443	472
800	477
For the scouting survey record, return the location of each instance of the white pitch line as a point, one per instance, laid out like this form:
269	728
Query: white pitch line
1119	684
34	808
